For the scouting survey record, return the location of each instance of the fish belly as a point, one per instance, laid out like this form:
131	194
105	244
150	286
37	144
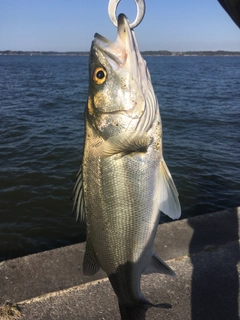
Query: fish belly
121	203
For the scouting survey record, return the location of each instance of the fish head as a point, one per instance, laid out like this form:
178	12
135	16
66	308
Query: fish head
118	79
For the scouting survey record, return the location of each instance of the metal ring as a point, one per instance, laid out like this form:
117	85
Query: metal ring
112	9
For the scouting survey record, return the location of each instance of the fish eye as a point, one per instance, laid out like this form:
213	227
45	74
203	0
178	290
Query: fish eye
99	75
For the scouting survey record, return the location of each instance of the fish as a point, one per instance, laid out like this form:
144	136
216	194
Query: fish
123	182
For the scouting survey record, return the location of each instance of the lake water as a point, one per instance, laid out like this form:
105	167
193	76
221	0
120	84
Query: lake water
42	100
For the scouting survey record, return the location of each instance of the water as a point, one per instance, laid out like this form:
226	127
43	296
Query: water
42	101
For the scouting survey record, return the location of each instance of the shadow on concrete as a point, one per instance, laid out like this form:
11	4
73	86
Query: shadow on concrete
215	283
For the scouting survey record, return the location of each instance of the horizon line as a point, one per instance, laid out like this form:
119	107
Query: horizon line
148	50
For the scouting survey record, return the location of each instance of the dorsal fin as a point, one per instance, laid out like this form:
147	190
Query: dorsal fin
78	201
90	264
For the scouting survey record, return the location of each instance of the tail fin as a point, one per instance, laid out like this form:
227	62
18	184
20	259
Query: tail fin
132	312
138	312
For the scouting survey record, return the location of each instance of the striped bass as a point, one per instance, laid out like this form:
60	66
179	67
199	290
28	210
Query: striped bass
123	182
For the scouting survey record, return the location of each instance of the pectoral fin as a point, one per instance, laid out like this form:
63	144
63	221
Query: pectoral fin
126	142
90	264
169	203
157	265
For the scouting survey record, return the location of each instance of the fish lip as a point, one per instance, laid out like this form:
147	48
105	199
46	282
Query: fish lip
116	51
102	41
108	48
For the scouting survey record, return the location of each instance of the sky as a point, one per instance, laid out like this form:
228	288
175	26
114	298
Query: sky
70	25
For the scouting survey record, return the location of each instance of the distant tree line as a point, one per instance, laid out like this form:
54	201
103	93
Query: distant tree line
42	53
191	53
146	53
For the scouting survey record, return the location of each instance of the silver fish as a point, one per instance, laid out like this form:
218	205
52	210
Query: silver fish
124	181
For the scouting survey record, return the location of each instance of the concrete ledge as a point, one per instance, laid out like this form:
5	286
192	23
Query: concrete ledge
214	299
204	252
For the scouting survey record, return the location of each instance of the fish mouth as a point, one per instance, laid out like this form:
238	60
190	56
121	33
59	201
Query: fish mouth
117	52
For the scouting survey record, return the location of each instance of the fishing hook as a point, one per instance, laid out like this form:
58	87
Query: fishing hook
112	9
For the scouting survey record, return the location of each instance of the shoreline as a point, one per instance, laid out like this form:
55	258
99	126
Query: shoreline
144	53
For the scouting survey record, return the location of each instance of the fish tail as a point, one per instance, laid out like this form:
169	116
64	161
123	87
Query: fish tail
138	312
133	312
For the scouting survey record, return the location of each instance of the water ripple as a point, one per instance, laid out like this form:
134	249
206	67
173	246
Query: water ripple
41	127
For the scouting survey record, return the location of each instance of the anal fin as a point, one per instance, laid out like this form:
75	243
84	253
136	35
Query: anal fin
157	265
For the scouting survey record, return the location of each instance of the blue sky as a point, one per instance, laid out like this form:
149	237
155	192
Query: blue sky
69	25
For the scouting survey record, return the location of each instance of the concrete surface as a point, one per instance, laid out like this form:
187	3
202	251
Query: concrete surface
203	251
